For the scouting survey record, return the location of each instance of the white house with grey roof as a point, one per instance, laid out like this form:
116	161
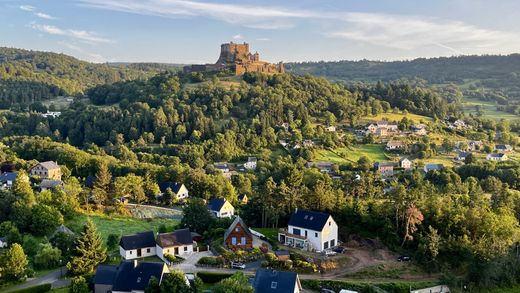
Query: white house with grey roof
137	245
310	230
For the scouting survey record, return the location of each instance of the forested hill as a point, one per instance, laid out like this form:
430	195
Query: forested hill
30	76
435	70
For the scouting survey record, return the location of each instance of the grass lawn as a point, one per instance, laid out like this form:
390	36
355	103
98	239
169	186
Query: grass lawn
61	290
374	152
390	271
395	117
489	109
119	225
271	233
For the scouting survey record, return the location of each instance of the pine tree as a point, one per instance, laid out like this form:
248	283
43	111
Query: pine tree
102	183
15	262
89	251
23	190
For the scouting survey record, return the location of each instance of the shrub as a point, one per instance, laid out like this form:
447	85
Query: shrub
212	278
208	260
36	289
170	257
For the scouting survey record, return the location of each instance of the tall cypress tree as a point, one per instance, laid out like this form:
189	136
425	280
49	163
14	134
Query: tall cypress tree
89	251
102	183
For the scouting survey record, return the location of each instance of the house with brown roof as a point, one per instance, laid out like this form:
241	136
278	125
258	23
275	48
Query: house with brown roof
176	243
386	169
47	170
238	236
395	145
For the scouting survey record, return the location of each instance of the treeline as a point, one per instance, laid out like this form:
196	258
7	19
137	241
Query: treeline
30	76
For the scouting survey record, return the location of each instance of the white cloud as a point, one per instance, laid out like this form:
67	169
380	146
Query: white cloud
237	37
82	35
27	7
43	15
412	32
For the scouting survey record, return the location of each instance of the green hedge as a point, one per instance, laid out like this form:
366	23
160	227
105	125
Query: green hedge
36	289
211	278
391	287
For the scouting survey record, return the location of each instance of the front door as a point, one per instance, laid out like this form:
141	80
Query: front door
176	251
139	252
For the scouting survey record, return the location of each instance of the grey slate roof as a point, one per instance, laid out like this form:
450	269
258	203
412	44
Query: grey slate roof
8	176
174	186
62	229
309	220
232	227
49	184
130	278
431	167
267	281
138	240
105	275
50	165
216	204
175	238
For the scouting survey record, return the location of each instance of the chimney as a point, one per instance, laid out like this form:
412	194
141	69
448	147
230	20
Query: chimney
295	210
135	263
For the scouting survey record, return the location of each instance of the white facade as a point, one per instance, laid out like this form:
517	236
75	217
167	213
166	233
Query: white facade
250	164
181	250
137	253
3	243
226	211
182	193
319	240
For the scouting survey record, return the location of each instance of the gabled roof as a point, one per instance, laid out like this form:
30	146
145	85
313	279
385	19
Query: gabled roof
498	155
49	165
433	166
175	238
62	229
139	240
174	186
89	181
9	176
133	276
384	164
216	204
502	147
404	159
237	221
267	281
105	275
47	183
463	154
309	220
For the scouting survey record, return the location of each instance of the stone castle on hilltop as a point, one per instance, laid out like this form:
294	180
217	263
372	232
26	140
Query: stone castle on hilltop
237	59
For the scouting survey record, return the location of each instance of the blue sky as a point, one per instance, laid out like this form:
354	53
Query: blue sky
191	31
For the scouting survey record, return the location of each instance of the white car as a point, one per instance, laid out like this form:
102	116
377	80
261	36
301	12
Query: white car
238	265
330	253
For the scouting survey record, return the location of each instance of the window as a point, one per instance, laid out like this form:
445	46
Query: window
316	234
325	245
243	240
274	285
305	233
148	250
296	231
233	240
130	252
329	223
237	229
332	243
185	248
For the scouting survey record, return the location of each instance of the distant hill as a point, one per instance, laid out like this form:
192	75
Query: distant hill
30	76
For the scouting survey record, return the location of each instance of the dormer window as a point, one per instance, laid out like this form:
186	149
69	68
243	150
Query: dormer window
138	280
274	285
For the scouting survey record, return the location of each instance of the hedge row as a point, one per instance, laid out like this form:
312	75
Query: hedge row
36	289
211	278
391	287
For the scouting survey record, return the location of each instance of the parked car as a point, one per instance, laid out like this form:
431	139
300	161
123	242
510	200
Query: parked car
238	265
323	290
339	249
329	252
404	258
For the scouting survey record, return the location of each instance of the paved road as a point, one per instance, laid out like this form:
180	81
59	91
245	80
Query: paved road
53	278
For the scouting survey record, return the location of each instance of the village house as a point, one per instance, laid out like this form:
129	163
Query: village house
128	277
48	184
458	124
330	128
386	169
284	126
3	242
179	190
238	236
461	156
176	243
497	157
475	145
503	148
51	114
324	167
405	163
308	143
310	230
221	208
222	167
419	129
7	180
243	199
47	170
433	167
251	163
270	281
395	145
137	245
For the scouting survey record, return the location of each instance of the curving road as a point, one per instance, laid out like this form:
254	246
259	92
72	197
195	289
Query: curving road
53	278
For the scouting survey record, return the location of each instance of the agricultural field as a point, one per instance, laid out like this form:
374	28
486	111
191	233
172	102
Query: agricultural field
488	108
374	152
121	225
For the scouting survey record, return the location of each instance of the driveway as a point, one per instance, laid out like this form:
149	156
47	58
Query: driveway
53	278
188	265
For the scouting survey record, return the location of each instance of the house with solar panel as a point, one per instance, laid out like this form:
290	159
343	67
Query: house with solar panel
313	231
137	245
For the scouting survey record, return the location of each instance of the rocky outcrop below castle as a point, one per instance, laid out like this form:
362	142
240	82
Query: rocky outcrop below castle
238	59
